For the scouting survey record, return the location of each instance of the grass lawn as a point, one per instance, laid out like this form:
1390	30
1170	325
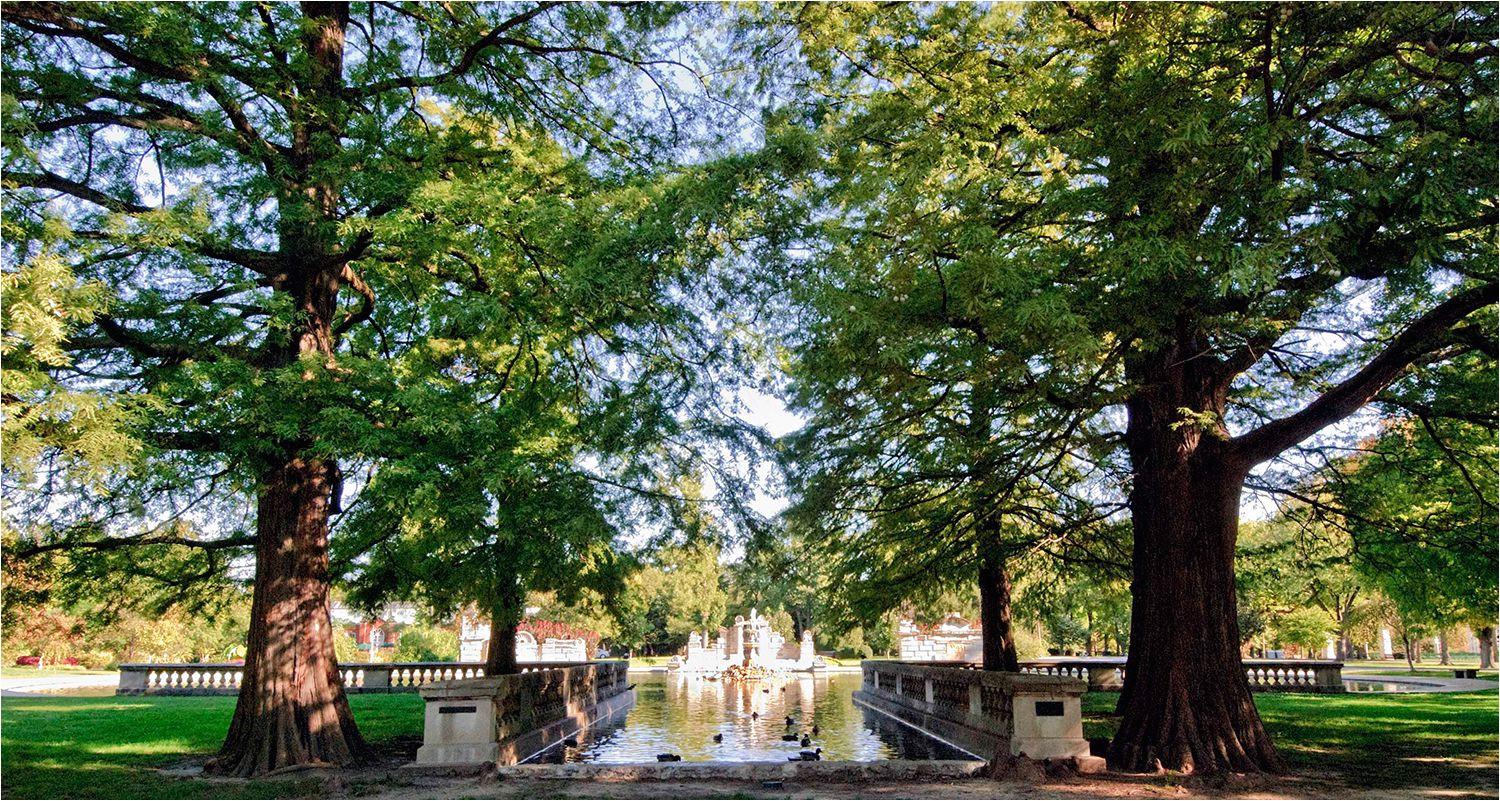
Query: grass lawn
1373	740
49	672
69	747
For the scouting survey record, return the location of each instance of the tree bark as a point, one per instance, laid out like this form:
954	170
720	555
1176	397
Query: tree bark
1411	658
1443	658
1186	704
291	709
505	615
997	637
1486	636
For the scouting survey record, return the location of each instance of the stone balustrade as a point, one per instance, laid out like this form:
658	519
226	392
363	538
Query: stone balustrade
1265	675
506	719
359	677
983	712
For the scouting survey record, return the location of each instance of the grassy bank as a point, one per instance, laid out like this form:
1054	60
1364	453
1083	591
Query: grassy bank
1374	740
113	747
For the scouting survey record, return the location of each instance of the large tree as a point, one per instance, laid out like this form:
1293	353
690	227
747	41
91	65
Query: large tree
1221	229
224	170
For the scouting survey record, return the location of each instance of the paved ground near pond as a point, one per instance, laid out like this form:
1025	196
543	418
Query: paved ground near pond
1104	786
1430	684
43	685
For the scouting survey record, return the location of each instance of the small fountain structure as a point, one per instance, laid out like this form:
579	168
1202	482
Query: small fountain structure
749	649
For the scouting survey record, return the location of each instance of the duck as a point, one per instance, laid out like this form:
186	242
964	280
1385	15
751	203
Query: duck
815	729
570	743
806	741
719	738
807	756
789	738
755	716
765	689
789	720
668	757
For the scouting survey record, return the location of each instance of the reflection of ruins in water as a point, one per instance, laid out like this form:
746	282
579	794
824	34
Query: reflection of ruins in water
680	713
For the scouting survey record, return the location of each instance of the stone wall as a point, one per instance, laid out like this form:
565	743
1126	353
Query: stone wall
506	719
938	648
987	713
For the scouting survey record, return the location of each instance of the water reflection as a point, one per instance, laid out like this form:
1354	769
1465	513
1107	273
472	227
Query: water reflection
681	713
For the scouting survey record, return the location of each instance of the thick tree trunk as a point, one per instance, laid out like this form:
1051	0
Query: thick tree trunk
998	639
291	709
1186	704
505	615
1443	658
1486	636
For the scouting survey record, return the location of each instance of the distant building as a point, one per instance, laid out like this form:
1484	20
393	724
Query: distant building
381	631
952	639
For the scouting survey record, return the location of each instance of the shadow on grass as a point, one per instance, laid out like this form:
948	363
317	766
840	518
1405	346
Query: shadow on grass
114	748
1374	740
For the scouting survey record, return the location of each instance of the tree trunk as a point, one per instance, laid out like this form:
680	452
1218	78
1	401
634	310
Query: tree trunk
1186	704
1411	657
291	709
998	640
1486	636
1443	658
505	615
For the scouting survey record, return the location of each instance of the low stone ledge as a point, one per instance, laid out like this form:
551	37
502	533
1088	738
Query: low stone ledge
828	770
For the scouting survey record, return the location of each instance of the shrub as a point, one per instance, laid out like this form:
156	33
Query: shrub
99	660
426	644
28	661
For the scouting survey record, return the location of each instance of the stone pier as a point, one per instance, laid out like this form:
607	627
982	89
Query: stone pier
507	719
986	713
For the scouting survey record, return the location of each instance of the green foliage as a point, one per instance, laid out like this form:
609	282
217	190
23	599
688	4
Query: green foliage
345	649
419	643
1306	628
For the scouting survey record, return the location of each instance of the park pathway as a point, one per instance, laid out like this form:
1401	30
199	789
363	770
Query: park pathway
28	687
1429	684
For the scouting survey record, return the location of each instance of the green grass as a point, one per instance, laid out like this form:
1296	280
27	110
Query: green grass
1370	740
69	747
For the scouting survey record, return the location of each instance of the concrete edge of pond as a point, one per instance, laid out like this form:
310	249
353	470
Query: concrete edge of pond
883	770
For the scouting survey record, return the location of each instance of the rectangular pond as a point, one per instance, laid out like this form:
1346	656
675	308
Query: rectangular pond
679	713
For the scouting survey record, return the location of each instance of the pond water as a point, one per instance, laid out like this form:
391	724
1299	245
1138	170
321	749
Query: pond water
1385	686
681	713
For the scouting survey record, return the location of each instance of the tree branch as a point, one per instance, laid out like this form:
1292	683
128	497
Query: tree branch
465	63
1420	338
57	183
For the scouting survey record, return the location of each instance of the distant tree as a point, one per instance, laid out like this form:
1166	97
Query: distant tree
1307	629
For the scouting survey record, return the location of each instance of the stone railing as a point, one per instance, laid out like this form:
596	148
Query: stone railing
1265	675
985	713
359	677
506	719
